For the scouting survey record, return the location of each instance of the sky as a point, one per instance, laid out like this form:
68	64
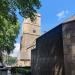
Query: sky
53	12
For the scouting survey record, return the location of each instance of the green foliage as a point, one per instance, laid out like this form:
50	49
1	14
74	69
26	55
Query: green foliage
8	33
26	8
10	60
9	25
22	70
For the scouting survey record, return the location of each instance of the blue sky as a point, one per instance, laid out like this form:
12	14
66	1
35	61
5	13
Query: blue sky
53	12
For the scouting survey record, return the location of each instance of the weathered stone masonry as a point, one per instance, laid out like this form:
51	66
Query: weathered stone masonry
55	51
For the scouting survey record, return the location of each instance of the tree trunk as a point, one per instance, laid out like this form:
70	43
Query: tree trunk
1	59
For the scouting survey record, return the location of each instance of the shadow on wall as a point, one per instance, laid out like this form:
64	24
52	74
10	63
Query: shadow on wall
47	57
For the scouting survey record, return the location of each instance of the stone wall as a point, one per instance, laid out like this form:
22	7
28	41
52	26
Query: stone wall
69	47
47	58
55	51
31	31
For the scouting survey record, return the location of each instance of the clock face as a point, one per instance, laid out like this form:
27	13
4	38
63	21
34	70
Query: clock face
34	31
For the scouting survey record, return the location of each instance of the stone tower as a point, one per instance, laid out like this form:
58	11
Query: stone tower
31	31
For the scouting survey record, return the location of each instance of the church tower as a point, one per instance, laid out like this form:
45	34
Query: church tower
31	31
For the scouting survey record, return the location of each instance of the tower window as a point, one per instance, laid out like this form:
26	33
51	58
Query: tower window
34	31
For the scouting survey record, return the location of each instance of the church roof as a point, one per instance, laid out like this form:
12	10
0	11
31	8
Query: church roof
70	19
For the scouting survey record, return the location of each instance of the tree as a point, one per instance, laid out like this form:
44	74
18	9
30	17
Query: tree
9	25
10	60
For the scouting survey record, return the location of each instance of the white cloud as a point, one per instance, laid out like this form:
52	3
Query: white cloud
62	14
16	50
